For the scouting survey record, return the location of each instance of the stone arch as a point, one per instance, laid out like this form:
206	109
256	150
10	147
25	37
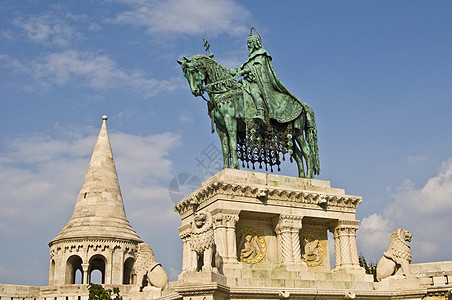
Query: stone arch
97	262
73	264
52	272
127	274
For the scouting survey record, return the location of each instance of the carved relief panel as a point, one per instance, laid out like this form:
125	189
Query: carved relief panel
256	241
312	249
314	246
252	246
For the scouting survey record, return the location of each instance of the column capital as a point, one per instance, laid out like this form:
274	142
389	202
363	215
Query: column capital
288	223
345	225
225	220
184	231
85	267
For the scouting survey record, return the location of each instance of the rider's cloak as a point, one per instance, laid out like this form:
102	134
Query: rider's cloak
282	105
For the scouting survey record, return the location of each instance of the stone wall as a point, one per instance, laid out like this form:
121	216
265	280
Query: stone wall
73	292
16	292
434	273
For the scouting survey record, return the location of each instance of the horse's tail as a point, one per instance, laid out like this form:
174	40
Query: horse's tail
311	138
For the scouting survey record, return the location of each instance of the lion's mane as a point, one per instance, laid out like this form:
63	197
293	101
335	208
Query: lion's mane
399	246
202	238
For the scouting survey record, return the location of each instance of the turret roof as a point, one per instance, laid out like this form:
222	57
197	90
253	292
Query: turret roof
99	211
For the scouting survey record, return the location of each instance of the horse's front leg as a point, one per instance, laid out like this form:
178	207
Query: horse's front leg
299	160
224	147
231	126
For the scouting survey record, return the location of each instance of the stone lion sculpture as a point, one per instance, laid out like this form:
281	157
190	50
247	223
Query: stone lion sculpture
395	262
147	270
202	243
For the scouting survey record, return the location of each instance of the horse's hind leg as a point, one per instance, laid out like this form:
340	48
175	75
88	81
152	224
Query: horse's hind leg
224	147
305	152
299	160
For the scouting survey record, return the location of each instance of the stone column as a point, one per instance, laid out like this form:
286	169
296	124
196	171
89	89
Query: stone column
85	268
231	239
337	249
345	245
353	247
296	245
184	234
220	229
288	235
109	267
118	278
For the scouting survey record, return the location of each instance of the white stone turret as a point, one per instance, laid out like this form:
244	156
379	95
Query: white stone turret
98	236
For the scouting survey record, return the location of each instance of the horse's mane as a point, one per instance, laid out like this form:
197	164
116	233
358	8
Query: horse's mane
216	72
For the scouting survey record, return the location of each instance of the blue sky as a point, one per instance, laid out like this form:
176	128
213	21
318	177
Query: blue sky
378	75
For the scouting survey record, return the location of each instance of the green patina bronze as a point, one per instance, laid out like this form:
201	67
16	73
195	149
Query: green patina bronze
257	119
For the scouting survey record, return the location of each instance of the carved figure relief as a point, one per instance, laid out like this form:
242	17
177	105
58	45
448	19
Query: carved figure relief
202	243
395	262
147	270
312	249
252	247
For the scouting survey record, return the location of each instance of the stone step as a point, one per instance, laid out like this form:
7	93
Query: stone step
294	283
283	274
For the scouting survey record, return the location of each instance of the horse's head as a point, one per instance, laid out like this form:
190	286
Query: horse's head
193	71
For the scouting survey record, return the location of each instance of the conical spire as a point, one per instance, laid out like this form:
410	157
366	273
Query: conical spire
99	211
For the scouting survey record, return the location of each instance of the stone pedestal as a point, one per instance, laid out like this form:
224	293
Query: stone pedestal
271	230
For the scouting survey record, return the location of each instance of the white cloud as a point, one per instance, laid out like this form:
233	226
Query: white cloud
186	117
425	212
49	29
94	70
186	17
232	62
6	61
373	235
417	158
99	72
141	157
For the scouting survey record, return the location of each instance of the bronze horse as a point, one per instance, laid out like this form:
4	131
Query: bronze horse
229	112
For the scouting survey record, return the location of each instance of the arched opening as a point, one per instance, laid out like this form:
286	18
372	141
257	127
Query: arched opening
127	275
52	272
73	264
97	262
78	277
95	277
331	250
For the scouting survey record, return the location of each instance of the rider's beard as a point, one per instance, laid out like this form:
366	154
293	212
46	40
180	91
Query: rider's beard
250	50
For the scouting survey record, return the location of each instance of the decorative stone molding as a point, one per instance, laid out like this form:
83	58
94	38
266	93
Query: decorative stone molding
201	289
202	195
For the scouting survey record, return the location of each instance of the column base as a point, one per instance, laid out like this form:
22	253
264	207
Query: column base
192	277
